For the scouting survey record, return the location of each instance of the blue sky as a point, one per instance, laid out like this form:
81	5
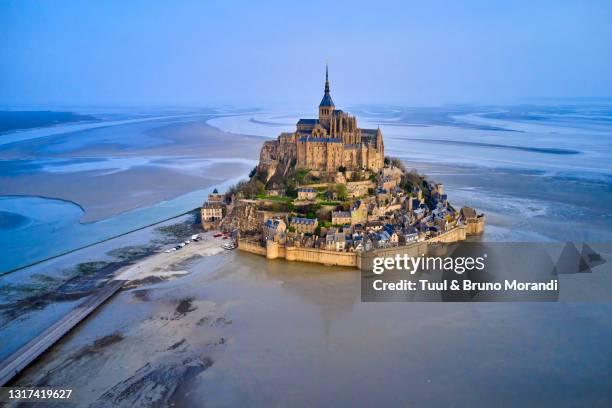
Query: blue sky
204	53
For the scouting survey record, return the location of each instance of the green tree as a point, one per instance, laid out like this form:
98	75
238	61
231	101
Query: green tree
290	189
341	192
300	175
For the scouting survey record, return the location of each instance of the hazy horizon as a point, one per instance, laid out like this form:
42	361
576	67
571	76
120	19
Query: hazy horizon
67	53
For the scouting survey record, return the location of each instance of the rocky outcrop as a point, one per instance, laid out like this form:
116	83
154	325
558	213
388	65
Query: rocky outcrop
243	217
268	158
277	157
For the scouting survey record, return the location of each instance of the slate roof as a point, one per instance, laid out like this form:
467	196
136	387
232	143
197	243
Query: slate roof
301	220
308	121
327	100
272	223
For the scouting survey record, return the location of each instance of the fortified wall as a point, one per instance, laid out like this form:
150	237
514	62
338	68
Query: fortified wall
475	226
273	250
361	260
253	247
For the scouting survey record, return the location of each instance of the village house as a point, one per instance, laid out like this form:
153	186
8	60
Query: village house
330	239
274	229
211	213
306	193
341	218
275	192
304	225
335	240
340	240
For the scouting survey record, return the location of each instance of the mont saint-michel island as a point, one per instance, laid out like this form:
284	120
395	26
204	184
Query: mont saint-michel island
326	193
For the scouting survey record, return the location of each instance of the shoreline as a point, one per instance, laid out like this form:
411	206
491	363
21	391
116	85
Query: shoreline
95	243
162	265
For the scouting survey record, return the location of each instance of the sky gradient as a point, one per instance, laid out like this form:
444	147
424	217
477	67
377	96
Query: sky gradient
147	53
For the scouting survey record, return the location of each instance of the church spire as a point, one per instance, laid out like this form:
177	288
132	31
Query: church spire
327	100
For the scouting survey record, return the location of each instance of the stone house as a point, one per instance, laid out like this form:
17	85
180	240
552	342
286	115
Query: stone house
341	218
274	229
340	241
211	213
306	193
275	192
304	225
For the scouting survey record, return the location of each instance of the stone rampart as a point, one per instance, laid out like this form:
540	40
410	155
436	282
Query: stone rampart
253	247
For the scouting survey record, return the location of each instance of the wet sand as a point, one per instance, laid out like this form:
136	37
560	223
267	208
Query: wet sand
241	330
104	195
166	265
107	179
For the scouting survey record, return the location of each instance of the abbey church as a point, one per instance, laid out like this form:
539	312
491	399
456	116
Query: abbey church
327	143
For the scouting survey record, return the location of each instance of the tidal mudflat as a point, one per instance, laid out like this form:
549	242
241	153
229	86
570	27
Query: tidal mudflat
63	188
236	329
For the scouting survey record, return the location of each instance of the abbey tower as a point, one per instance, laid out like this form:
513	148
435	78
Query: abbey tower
325	144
